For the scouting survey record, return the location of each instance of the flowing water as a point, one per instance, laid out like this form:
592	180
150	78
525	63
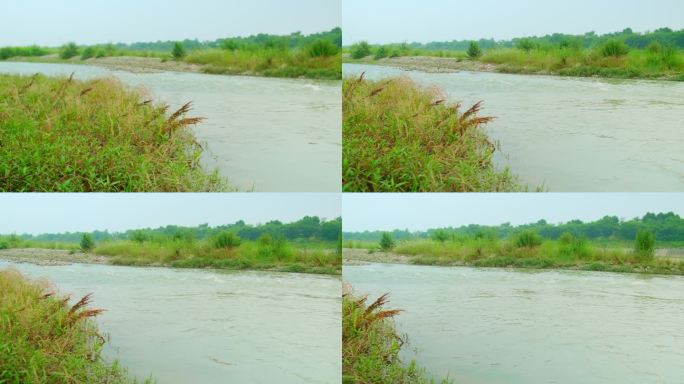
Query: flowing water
487	326
192	326
570	134
262	134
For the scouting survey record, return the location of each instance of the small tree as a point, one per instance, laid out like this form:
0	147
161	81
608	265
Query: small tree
87	242
525	44
440	235
474	50
178	51
87	53
386	241
68	51
360	50
644	244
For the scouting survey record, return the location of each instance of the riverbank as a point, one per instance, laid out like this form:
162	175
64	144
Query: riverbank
371	344
66	135
314	261
513	62
445	150
43	339
666	262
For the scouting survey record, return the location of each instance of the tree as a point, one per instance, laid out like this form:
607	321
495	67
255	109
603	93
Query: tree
87	243
440	235
386	241
474	50
178	51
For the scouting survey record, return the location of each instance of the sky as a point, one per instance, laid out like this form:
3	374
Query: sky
53	23
31	213
395	21
386	212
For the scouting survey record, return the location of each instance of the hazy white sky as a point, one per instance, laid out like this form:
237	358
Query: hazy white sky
55	22
422	211
386	21
55	212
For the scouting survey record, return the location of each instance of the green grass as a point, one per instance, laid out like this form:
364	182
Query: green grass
64	135
45	340
521	251
371	346
400	137
264	254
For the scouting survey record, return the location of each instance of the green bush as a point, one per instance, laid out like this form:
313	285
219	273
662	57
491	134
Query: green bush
381	53
226	239
361	50
440	235
528	239
525	45
322	48
644	244
87	243
474	50
178	51
614	48
87	53
68	51
386	242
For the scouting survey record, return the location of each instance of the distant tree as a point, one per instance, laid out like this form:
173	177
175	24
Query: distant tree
361	50
525	44
474	50
68	51
386	241
440	235
178	51
87	242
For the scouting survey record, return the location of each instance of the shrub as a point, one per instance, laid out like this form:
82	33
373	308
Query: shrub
440	235
381	53
644	244
322	48
87	53
87	242
178	51
474	50
226	239
528	239
386	241
525	45
68	51
614	48
360	50
139	236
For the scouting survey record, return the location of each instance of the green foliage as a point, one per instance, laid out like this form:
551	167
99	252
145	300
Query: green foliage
68	51
528	239
525	45
382	155
361	50
386	242
52	127
614	48
322	48
32	51
644	244
88	53
45	340
87	243
139	236
226	239
381	53
474	50
178	52
440	235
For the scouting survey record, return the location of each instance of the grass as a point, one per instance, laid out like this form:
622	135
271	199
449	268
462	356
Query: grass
400	137
45	340
371	345
64	135
264	254
316	64
525	250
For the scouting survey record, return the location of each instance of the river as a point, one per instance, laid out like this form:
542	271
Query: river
491	326
200	326
262	134
573	134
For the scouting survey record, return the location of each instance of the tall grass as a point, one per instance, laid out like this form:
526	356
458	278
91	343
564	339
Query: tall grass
60	134
400	137
45	340
226	251
371	345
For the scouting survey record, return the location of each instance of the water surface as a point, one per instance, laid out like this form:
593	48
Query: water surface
573	134
488	326
196	326
262	134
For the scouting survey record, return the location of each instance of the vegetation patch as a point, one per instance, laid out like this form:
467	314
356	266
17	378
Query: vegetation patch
45	340
64	135
371	345
400	137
